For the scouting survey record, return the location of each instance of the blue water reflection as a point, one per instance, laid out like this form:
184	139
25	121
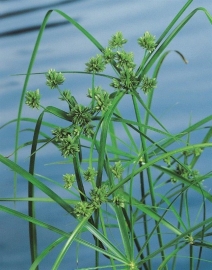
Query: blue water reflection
183	91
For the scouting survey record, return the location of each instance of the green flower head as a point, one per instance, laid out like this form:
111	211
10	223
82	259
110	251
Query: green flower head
69	179
65	95
189	238
83	209
99	195
148	84
182	171
117	41
147	42
168	160
88	131
33	99
117	169
95	91
90	174
77	130
69	146
119	200
95	64
103	101
197	151
53	78
125	59
60	133
127	81
80	115
108	55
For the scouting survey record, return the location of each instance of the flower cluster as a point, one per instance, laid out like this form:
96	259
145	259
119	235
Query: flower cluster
119	200
133	266
148	84
101	97
99	196
184	172
60	133
88	131
147	42
97	90
108	55
125	60
90	174
196	152
69	179
95	64
33	99
103	101
67	139
117	41
53	78
65	95
69	146
83	209
127	81
168	160
189	238
80	115
117	169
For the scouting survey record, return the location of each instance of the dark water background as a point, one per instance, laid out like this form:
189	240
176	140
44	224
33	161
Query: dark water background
184	92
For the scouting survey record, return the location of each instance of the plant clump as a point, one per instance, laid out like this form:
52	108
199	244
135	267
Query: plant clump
123	179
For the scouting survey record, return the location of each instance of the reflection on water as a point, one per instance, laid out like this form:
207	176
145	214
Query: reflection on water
64	48
29	10
30	29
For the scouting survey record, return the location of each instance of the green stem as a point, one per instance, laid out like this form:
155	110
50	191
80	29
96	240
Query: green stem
93	99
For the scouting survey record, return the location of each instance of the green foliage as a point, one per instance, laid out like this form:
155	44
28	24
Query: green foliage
133	184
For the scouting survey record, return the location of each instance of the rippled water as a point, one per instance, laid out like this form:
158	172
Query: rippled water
183	92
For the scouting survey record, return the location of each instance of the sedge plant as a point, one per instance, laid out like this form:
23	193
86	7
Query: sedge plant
131	192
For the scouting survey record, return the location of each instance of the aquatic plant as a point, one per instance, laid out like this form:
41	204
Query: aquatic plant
132	193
